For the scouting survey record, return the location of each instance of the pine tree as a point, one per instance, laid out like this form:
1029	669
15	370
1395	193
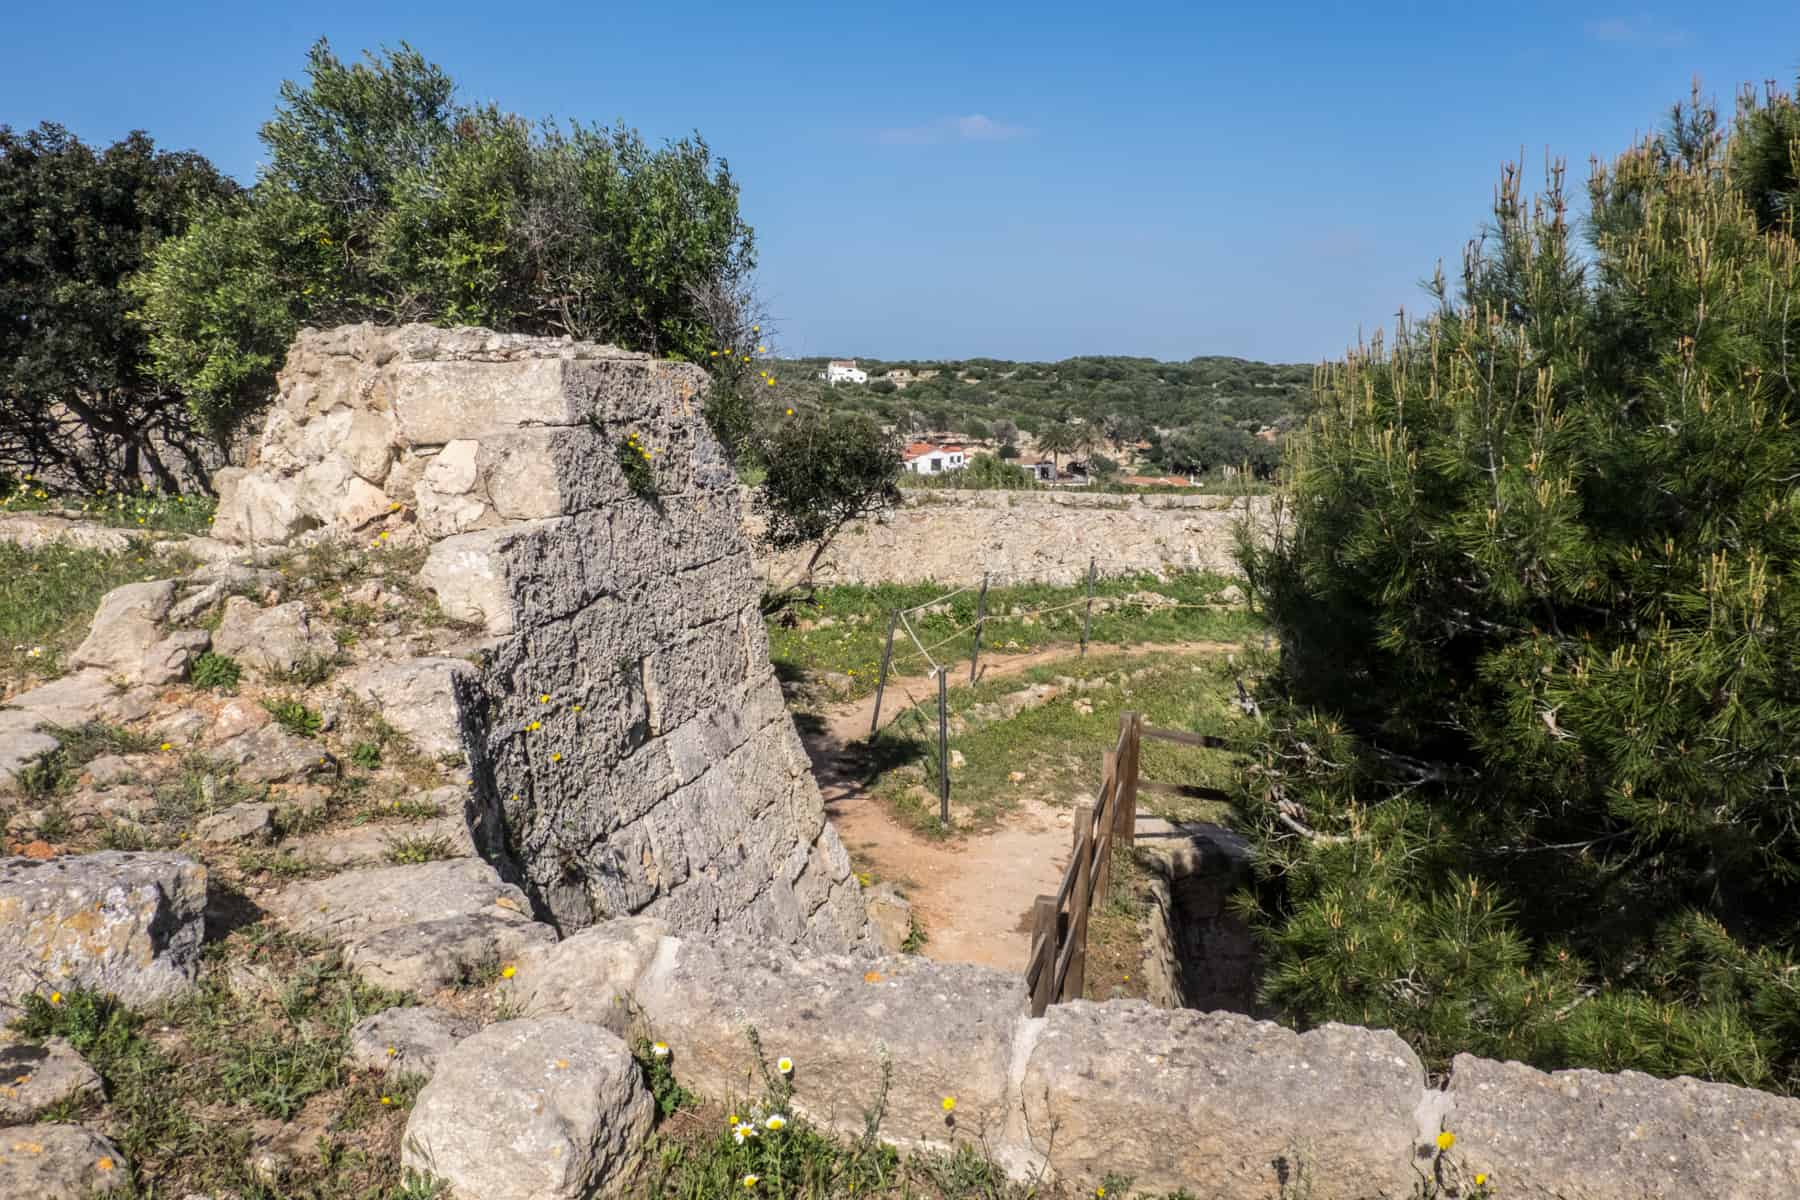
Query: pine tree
1524	784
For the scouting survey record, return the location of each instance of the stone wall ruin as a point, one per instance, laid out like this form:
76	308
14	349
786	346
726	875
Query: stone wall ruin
628	743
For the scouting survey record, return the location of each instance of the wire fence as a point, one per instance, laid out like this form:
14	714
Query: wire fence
906	648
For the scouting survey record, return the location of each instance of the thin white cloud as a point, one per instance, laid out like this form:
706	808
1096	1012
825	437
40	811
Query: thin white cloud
1640	30
976	127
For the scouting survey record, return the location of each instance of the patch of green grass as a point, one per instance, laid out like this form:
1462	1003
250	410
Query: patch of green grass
1048	615
48	597
366	755
85	742
45	777
201	786
1058	745
220	672
419	848
293	716
309	670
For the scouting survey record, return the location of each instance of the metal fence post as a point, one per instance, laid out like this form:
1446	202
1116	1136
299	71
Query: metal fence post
1087	621
980	619
944	747
887	656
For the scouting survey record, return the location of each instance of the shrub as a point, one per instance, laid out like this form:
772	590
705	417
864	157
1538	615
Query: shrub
295	717
219	671
1523	789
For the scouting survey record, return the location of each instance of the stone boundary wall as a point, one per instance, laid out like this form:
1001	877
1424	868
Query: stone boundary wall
1218	1103
628	742
950	536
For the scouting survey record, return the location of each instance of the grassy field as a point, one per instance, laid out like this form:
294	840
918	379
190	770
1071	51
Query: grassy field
1057	746
48	597
843	628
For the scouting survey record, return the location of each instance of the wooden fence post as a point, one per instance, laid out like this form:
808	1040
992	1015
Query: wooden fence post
887	656
1107	818
1076	980
980	619
944	747
1125	817
1043	953
1087	621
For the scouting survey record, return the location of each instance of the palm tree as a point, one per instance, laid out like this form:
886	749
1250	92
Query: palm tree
1058	438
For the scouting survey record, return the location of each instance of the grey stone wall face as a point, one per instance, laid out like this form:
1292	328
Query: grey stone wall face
627	739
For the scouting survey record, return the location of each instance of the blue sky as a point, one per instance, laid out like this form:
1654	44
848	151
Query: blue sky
1017	180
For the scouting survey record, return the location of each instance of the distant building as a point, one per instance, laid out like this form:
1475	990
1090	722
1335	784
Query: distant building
923	458
844	370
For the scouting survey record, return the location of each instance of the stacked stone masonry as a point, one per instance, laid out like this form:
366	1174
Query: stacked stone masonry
626	734
1048	537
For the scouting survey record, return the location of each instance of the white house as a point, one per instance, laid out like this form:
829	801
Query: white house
844	370
923	458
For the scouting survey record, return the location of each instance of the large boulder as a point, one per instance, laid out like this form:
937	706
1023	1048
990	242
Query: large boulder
544	1108
420	927
1584	1135
270	639
59	1162
126	923
1217	1100
129	924
417	697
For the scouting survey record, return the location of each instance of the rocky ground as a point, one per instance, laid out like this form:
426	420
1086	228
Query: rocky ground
240	812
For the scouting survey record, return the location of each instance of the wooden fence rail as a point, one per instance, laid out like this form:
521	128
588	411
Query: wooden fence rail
1057	967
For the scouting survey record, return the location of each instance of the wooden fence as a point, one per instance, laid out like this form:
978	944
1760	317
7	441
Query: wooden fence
1057	967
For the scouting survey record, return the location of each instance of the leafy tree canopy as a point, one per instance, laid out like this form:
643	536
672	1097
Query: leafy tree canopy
386	199
75	401
1525	784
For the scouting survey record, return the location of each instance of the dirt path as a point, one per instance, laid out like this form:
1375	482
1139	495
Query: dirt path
974	893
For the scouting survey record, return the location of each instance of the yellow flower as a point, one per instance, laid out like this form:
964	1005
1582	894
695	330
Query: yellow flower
756	329
104	1163
732	1119
534	727
556	758
575	708
785	1065
743	1132
168	746
750	1181
1100	1191
56	997
1445	1140
790	412
1481	1179
387	1099
776	1122
949	1103
508	971
762	349
544	698
660	1049
392	1051
771	382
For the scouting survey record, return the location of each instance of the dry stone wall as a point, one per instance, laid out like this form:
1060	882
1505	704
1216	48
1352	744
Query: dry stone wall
627	739
1043	536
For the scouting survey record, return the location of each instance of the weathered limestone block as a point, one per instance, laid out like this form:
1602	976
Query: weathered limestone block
331	493
406	1041
126	627
1215	1101
891	915
469	576
446	494
250	823
416	927
549	1108
590	975
255	509
415	696
59	1162
34	1077
948	1028
270	639
1584	1135
268	754
125	923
